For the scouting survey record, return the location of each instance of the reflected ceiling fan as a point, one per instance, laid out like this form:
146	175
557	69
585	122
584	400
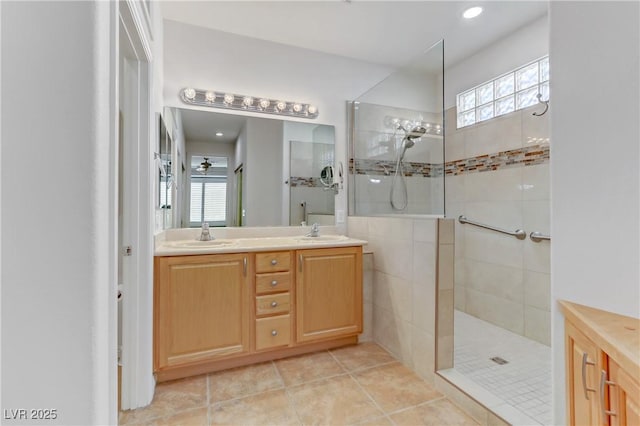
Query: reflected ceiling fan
204	166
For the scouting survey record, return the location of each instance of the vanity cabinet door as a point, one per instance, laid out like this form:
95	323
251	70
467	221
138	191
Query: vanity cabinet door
328	293
584	363
203	308
624	396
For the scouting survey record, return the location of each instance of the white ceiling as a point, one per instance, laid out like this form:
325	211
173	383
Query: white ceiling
383	32
203	125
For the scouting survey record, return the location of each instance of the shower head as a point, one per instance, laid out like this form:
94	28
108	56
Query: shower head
416	132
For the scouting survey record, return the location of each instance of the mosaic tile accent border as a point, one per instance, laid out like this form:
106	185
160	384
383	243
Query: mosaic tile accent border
527	156
309	182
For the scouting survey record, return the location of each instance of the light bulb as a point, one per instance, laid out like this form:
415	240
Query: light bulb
281	105
190	93
219	134
297	107
228	98
210	96
264	103
472	12
312	109
247	101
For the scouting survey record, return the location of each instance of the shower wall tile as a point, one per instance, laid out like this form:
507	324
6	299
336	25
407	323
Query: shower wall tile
445	313
534	129
459	298
535	182
422	353
446	231
446	265
455	189
454	147
537	325
504	282
503	313
499	134
404	263
498	185
503	214
535	216
393	294
490	247
537	256
425	231
537	287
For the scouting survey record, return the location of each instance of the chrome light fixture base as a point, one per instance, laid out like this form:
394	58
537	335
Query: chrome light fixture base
213	99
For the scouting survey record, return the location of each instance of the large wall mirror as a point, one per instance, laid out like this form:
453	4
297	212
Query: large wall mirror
238	170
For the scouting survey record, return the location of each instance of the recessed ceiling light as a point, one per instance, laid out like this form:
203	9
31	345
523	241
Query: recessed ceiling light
472	12
219	134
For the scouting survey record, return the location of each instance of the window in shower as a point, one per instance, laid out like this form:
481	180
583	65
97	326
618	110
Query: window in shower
396	142
509	92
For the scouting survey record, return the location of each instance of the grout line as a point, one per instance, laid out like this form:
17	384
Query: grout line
290	399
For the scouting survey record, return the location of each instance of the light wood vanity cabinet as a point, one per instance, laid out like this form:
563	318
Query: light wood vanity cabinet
219	311
202	308
328	293
603	367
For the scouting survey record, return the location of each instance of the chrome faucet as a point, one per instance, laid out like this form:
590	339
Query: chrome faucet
315	230
205	235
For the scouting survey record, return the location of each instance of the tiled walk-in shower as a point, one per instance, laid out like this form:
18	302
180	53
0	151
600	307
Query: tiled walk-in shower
522	382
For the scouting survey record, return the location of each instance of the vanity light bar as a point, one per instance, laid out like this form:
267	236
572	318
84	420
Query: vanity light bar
404	123
210	98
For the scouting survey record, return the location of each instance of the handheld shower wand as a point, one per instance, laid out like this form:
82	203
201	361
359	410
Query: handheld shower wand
407	142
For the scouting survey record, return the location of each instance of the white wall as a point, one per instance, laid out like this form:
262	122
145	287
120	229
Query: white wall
518	48
58	279
204	58
262	172
594	168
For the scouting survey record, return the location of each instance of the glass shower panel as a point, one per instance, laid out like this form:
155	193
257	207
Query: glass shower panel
397	142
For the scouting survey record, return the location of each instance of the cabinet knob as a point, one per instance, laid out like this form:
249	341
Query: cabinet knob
274	304
274	283
274	332
274	262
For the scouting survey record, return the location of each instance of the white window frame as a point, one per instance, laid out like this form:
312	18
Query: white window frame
468	115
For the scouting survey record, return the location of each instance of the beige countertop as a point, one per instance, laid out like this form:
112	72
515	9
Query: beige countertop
185	247
617	335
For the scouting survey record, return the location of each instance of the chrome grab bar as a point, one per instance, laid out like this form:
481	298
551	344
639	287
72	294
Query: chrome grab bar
536	237
518	233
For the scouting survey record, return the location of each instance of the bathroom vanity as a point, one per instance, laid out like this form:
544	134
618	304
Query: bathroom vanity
603	366
240	301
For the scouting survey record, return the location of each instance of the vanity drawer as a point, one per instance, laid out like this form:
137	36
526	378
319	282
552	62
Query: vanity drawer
273	304
273	331
273	262
272	283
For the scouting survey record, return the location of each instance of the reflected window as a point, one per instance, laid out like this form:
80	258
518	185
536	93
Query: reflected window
208	201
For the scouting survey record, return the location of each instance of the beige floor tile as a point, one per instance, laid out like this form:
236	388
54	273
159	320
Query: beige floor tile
394	386
170	398
267	408
302	369
361	356
243	381
334	401
378	421
437	413
197	417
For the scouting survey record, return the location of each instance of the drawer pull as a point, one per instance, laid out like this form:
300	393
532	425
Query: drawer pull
274	304
586	362
274	283
274	262
603	382
274	332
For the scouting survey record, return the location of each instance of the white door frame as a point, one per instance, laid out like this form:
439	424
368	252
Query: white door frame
138	382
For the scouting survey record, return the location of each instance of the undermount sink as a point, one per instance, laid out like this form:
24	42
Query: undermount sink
322	238
199	244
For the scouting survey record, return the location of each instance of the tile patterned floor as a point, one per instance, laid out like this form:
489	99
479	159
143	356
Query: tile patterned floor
524	383
355	385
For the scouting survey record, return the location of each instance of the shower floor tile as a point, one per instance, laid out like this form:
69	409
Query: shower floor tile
524	382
